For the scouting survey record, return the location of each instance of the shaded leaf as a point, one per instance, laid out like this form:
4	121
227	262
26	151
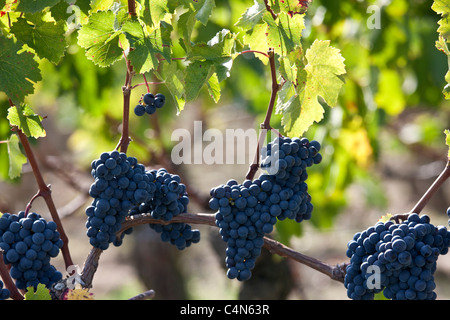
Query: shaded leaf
33	6
18	71
45	37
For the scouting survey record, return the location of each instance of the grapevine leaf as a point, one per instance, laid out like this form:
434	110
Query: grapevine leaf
16	158
46	38
33	6
100	5
204	9
41	293
78	294
321	77
214	87
447	140
206	59
154	11
386	218
442	7
282	34
293	7
173	78
146	47
100	38
26	120
252	16
18	71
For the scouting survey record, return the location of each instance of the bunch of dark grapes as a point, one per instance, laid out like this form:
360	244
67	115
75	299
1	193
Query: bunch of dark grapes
169	200
149	104
4	292
246	212
28	244
120	183
397	259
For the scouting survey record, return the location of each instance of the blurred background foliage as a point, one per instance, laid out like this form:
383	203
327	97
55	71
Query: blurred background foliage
391	113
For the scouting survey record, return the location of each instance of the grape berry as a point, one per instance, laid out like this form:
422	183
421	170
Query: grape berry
150	104
246	212
404	255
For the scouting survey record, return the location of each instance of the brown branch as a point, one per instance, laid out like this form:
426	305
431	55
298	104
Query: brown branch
144	296
445	174
266	124
46	193
334	272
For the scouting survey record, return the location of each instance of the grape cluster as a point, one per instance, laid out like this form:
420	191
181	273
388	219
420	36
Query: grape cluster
169	200
120	183
28	244
4	292
150	104
246	212
402	255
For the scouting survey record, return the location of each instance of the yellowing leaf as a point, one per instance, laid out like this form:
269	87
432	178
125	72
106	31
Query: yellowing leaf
79	294
386	218
321	77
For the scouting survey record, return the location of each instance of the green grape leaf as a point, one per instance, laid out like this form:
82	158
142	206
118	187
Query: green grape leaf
145	46
154	11
204	9
18	71
206	59
173	78
46	38
33	6
26	120
283	34
321	77
252	16
41	293
100	5
16	158
100	38
442	7
293	7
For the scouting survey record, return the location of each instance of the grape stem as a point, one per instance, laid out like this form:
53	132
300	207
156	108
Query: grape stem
438	182
266	124
44	191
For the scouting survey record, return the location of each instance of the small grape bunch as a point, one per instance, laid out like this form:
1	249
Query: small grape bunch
149	103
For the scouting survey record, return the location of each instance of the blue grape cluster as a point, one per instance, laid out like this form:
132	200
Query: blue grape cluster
169	200
402	255
28	244
150	104
120	183
4	292
246	212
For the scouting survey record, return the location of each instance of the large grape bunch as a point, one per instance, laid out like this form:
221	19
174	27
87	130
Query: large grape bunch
246	212
28	243
402	256
120	183
169	200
